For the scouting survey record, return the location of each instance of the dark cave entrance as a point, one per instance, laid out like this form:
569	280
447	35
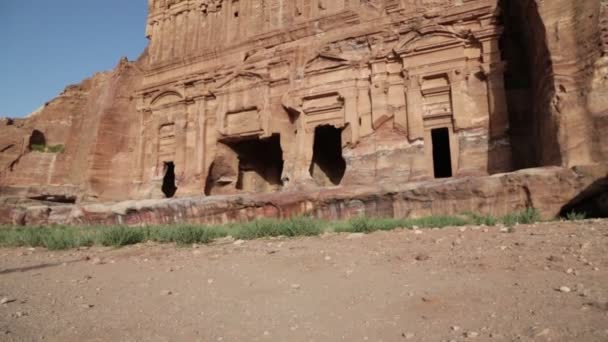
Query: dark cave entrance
169	188
328	166
592	202
529	85
37	140
442	155
246	164
260	163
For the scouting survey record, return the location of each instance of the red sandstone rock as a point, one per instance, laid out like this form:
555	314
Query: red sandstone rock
295	98
550	190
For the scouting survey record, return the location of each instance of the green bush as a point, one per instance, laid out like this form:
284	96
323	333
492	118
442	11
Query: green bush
527	216
486	220
574	216
121	236
66	238
47	149
17	237
442	221
370	224
184	234
55	149
38	148
366	225
298	226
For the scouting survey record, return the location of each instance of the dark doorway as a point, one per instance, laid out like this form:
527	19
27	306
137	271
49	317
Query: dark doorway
328	165
260	164
247	164
37	140
442	156
169	187
592	202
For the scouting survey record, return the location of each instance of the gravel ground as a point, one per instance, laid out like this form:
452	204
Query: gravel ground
543	282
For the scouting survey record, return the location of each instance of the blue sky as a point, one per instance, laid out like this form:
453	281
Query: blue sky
46	45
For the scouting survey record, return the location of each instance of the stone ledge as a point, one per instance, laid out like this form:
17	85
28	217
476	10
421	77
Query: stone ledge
547	189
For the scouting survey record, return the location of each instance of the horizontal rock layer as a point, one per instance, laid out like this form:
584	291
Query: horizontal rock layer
550	190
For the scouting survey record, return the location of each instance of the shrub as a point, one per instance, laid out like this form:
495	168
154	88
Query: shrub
38	148
56	149
486	220
441	221
298	226
47	149
121	236
527	216
574	216
185	234
369	224
66	238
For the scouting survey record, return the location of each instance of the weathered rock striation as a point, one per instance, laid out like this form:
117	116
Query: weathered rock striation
241	98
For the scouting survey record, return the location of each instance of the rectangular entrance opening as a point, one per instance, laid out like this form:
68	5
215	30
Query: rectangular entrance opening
169	188
328	166
442	155
260	164
248	164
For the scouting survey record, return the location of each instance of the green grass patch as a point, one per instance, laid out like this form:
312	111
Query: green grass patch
47	148
526	216
298	226
66	237
574	216
118	236
185	234
371	224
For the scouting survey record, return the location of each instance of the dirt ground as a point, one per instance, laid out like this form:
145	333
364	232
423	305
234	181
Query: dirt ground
455	284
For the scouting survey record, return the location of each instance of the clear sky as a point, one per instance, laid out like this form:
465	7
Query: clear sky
46	45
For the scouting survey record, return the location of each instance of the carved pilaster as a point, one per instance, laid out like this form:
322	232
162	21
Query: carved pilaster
415	125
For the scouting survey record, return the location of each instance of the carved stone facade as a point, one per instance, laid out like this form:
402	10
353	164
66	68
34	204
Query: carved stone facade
260	96
387	90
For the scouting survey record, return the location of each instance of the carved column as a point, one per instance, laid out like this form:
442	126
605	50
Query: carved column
379	93
396	99
499	115
461	117
351	114
415	124
364	105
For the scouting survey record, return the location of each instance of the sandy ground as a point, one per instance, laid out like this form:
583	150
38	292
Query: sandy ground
455	284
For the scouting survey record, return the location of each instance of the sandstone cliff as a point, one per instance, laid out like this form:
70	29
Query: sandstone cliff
253	97
62	151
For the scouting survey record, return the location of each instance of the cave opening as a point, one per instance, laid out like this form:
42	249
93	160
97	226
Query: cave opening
529	85
442	155
169	188
247	164
37	140
328	165
260	164
592	202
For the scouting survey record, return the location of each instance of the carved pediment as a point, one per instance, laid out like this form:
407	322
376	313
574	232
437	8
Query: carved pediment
377	5
243	80
430	37
325	61
165	98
